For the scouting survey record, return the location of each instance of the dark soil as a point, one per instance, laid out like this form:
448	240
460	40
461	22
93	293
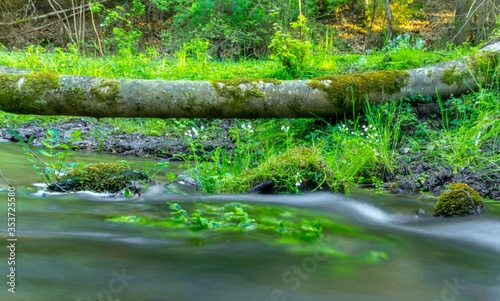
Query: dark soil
101	137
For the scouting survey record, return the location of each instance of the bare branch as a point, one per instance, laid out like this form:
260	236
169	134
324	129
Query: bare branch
54	13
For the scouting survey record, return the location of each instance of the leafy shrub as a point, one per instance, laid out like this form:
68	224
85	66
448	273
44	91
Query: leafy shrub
292	48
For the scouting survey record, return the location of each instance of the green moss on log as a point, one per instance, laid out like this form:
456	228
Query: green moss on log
240	91
24	93
352	89
108	91
452	76
459	200
485	64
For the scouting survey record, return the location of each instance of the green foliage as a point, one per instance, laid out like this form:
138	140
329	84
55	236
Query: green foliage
292	48
55	151
150	65
195	48
404	41
119	25
459	200
468	125
384	133
257	142
234	30
349	153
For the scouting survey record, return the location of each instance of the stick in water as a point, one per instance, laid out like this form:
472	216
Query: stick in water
5	179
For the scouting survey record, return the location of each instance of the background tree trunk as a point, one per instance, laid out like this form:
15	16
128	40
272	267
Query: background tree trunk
388	16
45	93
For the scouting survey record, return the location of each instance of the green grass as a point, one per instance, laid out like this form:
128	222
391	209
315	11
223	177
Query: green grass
470	126
154	66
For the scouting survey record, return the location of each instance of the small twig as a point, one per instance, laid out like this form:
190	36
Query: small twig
39	28
54	13
5	179
95	29
469	17
471	200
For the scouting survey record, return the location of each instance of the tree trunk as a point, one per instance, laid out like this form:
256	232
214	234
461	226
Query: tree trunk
388	16
46	93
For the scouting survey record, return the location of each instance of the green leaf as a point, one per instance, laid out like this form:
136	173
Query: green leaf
128	193
43	152
47	144
170	176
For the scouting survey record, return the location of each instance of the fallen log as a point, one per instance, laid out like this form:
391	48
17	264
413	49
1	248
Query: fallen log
47	93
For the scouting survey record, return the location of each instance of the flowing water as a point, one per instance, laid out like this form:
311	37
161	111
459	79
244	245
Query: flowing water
68	249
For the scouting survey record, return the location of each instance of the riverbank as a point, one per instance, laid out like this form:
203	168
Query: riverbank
416	144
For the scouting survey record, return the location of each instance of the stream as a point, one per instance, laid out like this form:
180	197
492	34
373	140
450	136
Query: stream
373	247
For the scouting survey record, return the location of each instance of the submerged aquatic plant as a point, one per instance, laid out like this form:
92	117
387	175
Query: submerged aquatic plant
237	217
234	217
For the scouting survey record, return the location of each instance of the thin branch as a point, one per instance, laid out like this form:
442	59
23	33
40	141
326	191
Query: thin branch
65	26
95	30
469	17
54	13
5	179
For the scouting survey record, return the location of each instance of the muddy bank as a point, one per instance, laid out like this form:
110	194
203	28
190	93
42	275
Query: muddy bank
414	172
100	137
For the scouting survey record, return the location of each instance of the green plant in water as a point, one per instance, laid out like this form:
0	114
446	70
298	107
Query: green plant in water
238	217
313	229
56	152
233	217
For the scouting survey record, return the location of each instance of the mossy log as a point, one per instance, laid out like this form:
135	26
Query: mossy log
46	93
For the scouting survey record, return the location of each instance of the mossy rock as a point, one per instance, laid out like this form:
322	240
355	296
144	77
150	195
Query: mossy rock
459	200
100	177
298	168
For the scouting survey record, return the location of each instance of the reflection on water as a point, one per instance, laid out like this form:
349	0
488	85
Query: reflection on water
67	250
